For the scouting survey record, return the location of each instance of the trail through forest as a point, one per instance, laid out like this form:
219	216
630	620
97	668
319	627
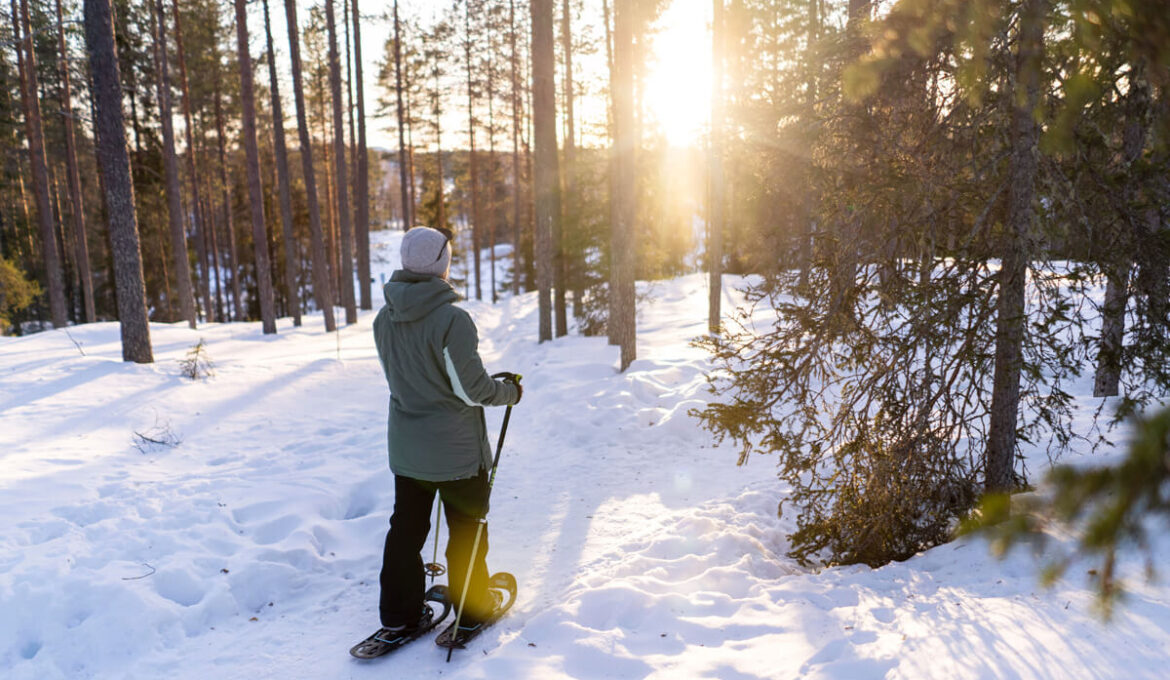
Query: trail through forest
251	547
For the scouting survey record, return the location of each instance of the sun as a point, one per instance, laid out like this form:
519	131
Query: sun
678	85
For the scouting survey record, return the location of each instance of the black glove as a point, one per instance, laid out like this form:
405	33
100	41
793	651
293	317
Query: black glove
514	379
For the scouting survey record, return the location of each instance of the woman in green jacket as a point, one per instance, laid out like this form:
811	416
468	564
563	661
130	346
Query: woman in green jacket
436	432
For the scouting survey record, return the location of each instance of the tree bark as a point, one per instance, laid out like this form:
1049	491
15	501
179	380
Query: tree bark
197	213
228	217
715	168
1010	319
516	204
292	262
404	178
546	171
568	214
622	319
30	95
322	289
80	239
493	182
341	182
252	159
179	254
1107	380
114	166
362	190
472	160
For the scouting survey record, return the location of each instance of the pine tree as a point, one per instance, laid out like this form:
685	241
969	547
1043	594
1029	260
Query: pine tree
340	177
178	232
80	239
114	165
252	160
622	313
34	132
292	269
322	289
362	173
546	171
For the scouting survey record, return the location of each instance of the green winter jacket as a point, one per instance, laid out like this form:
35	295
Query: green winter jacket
438	385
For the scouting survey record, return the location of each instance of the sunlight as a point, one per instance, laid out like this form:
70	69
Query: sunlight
678	87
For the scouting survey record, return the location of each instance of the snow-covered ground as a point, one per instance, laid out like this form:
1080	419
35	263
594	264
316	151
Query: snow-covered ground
251	548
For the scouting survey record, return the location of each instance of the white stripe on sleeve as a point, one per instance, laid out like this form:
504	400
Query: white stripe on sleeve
456	385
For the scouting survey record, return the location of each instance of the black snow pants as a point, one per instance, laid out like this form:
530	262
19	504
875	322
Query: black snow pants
403	579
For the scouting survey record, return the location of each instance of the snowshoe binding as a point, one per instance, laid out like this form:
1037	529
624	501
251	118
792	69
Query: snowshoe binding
502	586
386	640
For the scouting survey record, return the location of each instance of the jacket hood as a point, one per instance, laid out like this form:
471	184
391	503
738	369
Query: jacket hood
411	296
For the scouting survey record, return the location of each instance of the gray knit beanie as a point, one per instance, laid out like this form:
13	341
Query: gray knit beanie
425	251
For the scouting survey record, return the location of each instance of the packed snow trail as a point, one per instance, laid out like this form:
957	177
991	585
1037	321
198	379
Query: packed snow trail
251	549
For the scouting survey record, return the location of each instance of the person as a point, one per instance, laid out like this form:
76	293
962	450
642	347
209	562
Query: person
436	432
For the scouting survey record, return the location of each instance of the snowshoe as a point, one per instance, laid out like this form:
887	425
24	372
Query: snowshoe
386	640
502	585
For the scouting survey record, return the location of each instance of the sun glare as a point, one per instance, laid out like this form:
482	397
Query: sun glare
678	86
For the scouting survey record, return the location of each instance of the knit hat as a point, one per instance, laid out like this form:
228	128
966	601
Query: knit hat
425	251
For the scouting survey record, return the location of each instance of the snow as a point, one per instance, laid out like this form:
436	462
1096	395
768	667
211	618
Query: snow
251	548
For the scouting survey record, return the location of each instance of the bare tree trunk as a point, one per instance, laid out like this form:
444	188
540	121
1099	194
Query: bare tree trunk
546	172
516	216
292	264
715	168
193	170
806	236
171	168
569	205
30	90
322	289
362	190
252	158
622	319
1107	381
229	220
114	166
80	240
493	164
403	178
1009	332
472	161
341	183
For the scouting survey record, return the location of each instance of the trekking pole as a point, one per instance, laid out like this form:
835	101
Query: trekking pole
482	521
433	568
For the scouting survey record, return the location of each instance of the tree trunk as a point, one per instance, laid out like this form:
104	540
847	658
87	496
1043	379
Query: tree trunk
362	190
29	89
472	161
292	268
341	183
715	168
198	215
178	232
403	178
1010	319
622	318
1107	381
546	172
80	240
228	217
516	208
114	166
804	247
493	163
252	159
568	216
322	289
